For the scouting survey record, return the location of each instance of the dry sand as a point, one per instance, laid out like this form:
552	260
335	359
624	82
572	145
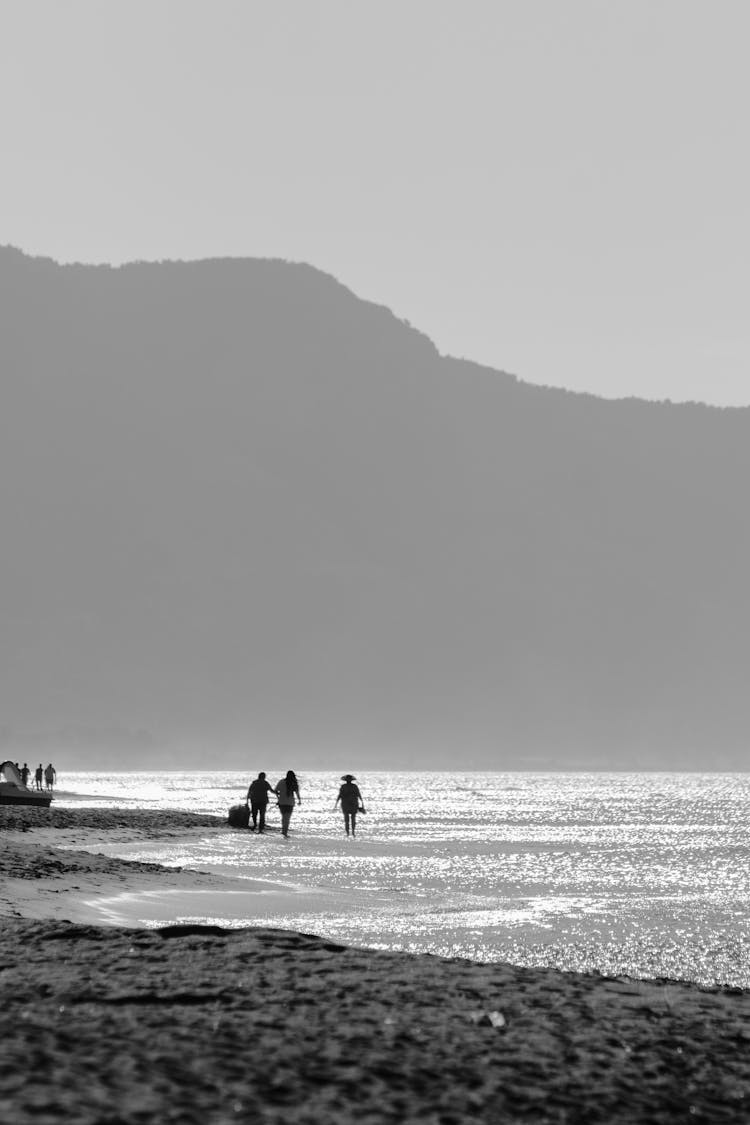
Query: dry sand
198	1024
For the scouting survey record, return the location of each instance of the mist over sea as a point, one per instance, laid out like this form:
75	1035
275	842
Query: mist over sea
645	874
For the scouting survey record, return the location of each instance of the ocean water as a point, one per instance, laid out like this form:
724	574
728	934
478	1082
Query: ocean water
644	874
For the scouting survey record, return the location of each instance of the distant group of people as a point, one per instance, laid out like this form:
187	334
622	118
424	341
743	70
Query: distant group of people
44	776
287	795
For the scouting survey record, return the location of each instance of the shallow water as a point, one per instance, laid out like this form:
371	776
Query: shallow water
637	873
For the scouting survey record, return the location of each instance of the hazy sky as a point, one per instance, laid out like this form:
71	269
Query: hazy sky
558	188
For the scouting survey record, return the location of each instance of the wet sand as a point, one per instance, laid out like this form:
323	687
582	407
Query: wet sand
202	1024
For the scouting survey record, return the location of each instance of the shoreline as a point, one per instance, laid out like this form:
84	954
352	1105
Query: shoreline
50	869
182	1021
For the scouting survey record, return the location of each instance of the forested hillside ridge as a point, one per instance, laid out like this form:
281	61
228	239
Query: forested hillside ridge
244	509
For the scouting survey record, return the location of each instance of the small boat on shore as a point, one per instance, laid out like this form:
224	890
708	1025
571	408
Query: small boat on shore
14	792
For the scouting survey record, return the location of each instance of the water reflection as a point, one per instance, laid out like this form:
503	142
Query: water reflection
646	874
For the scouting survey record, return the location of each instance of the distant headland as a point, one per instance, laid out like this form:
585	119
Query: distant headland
243	508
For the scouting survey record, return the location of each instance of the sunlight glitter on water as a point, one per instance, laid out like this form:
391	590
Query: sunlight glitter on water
641	873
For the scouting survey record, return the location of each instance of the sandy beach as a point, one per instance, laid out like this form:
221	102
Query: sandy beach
113	1023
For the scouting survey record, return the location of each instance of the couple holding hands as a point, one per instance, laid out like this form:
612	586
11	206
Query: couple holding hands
286	792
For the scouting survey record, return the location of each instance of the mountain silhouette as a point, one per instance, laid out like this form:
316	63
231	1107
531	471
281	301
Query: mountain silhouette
245	513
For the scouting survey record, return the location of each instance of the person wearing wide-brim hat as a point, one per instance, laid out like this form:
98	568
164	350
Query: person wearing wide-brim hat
351	802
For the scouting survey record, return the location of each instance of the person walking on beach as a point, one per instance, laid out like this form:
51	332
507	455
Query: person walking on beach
38	776
257	795
286	790
50	776
25	774
351	802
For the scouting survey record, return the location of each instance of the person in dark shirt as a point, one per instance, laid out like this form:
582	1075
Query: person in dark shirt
257	795
351	802
25	774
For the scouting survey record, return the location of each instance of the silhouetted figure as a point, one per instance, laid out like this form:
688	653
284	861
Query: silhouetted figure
50	776
257	795
39	777
286	790
25	774
351	802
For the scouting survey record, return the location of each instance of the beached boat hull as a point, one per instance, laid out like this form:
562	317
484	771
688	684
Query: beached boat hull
9	795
